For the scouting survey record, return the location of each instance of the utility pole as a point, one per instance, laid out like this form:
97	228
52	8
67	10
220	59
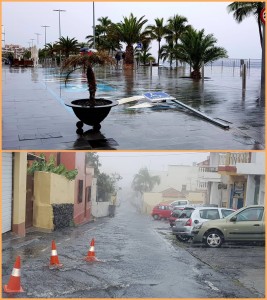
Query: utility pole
59	26
94	22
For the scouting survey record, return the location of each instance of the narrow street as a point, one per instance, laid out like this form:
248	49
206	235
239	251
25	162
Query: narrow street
139	259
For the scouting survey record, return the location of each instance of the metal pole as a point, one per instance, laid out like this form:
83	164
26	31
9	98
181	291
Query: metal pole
45	26
244	77
94	23
37	39
59	11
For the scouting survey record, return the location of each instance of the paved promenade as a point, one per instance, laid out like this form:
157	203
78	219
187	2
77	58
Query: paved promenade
35	117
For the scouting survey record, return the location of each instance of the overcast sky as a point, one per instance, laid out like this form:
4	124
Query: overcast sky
21	20
127	164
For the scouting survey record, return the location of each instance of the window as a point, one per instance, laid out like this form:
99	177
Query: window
226	212
80	191
250	214
209	214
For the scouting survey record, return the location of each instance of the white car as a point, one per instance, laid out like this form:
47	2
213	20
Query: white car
183	227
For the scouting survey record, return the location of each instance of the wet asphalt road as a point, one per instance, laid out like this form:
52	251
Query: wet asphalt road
139	258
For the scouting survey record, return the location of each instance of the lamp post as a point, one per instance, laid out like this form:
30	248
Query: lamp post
37	38
94	22
45	26
59	25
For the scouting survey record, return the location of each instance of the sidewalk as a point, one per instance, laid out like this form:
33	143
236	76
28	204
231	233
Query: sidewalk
35	117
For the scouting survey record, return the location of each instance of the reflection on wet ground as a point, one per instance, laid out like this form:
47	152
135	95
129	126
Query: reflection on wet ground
35	115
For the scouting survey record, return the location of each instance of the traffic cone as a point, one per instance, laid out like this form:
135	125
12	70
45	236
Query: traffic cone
54	260
91	253
13	285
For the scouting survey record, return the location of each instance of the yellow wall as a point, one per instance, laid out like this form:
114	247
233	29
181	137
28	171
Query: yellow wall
50	188
196	197
149	201
20	174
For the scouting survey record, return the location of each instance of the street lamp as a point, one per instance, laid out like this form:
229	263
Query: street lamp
45	26
94	22
37	39
59	11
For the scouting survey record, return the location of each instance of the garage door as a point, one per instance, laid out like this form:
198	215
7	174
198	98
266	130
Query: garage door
6	191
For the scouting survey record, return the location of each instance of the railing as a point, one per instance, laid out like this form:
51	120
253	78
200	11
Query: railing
231	159
208	169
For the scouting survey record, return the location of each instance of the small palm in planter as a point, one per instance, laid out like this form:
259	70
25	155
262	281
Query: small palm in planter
91	111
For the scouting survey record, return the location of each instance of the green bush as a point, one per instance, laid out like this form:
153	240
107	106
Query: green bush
43	165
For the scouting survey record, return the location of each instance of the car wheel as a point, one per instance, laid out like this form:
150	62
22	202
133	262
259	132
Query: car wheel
182	238
156	217
214	239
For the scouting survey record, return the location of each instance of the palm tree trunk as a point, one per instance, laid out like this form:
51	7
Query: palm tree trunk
91	83
260	32
195	74
129	57
158	53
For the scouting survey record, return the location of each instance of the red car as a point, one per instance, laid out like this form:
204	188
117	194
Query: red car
161	211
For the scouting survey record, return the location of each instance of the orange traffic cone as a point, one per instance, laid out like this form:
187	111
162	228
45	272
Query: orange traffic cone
13	285
91	253
54	260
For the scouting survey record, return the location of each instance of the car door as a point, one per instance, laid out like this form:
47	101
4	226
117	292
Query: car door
246	225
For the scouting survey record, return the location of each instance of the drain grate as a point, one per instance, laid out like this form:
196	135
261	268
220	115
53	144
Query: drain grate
50	135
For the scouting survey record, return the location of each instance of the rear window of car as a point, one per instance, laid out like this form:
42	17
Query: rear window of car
226	212
209	214
185	214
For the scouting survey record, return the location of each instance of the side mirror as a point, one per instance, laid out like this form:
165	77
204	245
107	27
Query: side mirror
196	221
233	219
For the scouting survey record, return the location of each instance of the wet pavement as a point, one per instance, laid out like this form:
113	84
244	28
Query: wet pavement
138	257
35	115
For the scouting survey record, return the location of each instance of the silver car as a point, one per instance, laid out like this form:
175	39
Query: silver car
183	226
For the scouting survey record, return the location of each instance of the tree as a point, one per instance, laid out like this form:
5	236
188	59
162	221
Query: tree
144	182
176	28
106	185
92	160
144	55
242	10
167	52
68	46
157	32
197	49
130	32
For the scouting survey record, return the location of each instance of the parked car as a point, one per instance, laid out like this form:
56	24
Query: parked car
177	212
245	225
161	211
183	227
181	202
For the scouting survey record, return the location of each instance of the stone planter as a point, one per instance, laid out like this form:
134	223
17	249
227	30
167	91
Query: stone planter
91	115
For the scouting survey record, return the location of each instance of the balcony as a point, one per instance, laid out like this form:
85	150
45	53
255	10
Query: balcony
228	161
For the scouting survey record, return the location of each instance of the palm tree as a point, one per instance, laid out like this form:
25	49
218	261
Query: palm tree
157	32
101	34
51	49
176	27
197	49
242	10
167	53
67	45
130	32
144	182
